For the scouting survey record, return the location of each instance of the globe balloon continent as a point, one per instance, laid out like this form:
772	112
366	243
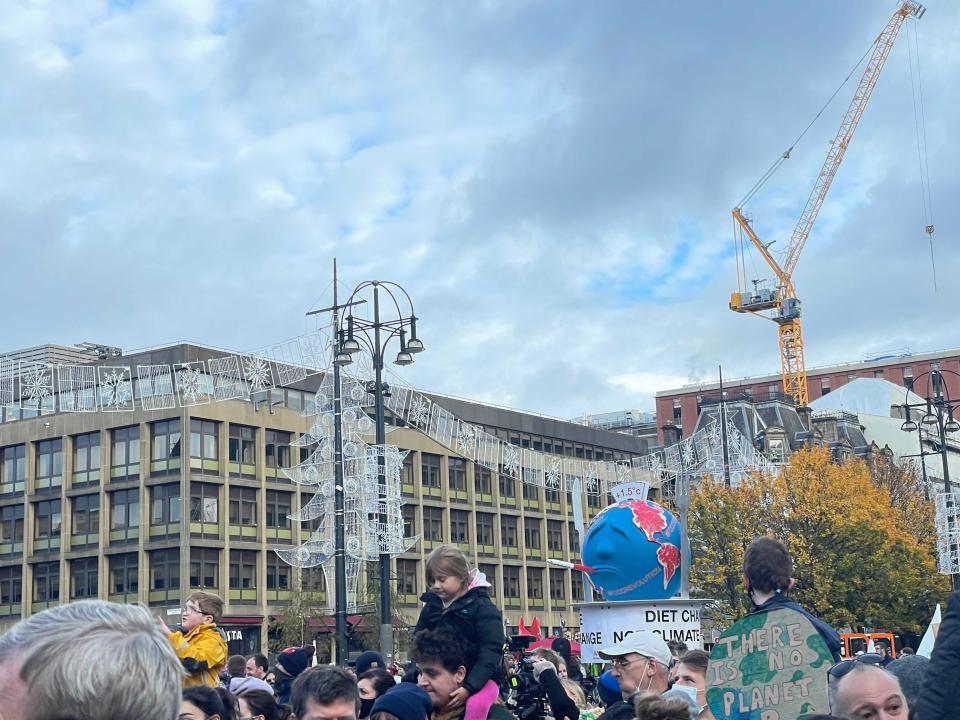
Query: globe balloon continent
633	547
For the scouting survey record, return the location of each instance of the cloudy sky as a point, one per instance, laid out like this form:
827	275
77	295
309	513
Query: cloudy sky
550	181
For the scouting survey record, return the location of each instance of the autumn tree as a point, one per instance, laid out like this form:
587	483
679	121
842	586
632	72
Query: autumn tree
854	561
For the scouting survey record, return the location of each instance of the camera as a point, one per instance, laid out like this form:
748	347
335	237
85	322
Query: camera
527	698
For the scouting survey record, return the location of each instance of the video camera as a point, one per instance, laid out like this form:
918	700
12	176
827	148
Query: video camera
527	698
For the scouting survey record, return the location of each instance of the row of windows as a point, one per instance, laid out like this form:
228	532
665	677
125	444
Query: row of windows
510	525
123	507
164	574
165	452
410	582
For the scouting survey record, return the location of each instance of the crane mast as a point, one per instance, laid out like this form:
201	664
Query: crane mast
782	301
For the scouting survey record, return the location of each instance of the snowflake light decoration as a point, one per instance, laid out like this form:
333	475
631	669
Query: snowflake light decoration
190	384
116	390
419	414
257	373
554	473
511	460
36	386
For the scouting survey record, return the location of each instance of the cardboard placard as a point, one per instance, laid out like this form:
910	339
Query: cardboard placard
769	666
605	624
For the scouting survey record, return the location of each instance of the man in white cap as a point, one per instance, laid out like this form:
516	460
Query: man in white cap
640	663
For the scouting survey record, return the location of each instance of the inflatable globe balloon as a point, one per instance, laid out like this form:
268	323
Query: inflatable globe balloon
633	548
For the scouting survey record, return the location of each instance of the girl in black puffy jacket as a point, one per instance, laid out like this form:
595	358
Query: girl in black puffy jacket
458	601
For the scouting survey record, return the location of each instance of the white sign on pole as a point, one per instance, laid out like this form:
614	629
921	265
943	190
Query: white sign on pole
606	624
636	490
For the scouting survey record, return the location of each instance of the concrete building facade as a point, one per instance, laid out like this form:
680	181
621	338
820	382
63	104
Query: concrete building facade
146	506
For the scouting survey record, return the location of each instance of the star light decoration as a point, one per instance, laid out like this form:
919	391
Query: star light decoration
369	497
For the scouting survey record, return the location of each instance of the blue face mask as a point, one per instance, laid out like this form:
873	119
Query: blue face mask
686	692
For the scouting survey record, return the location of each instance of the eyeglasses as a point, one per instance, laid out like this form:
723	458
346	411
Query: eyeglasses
621	663
190	609
845	666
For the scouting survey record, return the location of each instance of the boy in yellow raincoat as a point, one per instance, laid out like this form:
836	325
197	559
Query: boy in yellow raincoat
200	644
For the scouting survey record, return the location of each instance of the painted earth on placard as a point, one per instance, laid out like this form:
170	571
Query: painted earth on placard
769	666
633	547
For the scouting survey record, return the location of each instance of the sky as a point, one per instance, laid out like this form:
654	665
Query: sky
551	182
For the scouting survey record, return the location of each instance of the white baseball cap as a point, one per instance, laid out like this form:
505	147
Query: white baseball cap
642	642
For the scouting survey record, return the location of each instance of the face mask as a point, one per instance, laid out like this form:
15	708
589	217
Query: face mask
688	693
366	705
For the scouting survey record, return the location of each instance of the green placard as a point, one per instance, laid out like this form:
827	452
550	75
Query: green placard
769	666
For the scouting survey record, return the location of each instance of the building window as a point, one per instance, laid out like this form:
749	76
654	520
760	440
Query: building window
11	589
908	378
277	450
278	508
13	469
125	453
165	446
314	580
677	416
204	568
124	578
772	391
508	531
552	496
482	480
204	509
86	459
460	527
430	469
83	578
409	513
47	521
485	529
204	446
558	589
433	524
278	573
165	504
407	577
11	529
535	584
125	510
243	456
554	536
165	570
490	572
531	493
49	463
457	474
825	386
511	584
243	506
574	539
86	521
531	534
576	581
508	487
46	582
243	571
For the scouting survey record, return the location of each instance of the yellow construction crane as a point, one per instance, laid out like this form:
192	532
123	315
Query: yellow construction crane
780	304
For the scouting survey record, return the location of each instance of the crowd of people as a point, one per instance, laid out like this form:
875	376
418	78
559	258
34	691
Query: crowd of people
95	659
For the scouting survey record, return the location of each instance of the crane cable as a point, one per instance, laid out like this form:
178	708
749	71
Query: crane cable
786	153
919	121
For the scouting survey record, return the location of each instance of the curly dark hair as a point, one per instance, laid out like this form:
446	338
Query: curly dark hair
767	565
444	648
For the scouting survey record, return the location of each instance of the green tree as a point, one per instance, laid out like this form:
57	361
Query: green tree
854	561
294	629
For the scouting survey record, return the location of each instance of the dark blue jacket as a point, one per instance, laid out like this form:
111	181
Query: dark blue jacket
829	635
940	696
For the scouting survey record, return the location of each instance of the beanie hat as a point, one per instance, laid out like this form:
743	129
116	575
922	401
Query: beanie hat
293	662
609	689
406	701
240	684
910	671
368	660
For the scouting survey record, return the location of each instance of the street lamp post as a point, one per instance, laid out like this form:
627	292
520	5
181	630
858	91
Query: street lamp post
938	410
376	335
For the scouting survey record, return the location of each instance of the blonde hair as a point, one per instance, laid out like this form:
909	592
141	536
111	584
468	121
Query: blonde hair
447	560
575	692
209	604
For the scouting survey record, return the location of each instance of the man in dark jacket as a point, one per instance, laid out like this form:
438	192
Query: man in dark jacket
767	570
444	661
940	697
